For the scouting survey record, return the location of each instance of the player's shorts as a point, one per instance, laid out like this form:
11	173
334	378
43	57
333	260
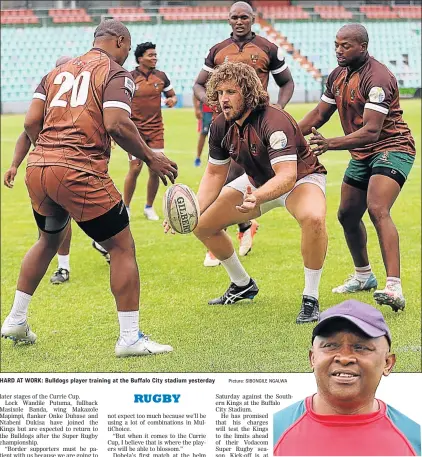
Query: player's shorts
395	164
57	191
242	182
204	123
155	140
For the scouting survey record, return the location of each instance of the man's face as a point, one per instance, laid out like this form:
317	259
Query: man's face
149	59
240	21
348	50
348	366
231	100
124	46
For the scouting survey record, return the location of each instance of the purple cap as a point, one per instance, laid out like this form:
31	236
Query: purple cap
367	318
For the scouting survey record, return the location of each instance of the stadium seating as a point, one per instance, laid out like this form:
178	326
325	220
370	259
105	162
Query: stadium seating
408	11
60	16
182	45
333	12
378	12
388	41
188	13
129	14
283	12
18	17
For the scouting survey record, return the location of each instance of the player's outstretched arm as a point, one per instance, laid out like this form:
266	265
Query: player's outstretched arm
119	125
211	184
21	150
317	117
369	133
286	86
199	86
34	119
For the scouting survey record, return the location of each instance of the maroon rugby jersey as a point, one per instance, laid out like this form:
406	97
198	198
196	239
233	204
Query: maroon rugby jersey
75	95
258	52
267	136
372	86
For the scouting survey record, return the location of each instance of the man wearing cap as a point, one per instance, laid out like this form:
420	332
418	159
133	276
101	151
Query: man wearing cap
349	355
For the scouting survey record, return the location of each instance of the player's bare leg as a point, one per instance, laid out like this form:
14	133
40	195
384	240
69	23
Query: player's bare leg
135	167
152	189
307	205
33	268
382	193
352	208
210	230
62	274
199	148
125	286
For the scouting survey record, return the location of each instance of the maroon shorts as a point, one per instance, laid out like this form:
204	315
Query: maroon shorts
84	196
154	139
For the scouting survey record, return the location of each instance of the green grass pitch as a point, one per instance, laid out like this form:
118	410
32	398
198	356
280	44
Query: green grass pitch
77	325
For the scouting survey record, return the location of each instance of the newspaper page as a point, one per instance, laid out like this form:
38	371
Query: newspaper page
159	415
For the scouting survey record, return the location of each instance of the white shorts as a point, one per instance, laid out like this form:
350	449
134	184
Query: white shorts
131	157
242	182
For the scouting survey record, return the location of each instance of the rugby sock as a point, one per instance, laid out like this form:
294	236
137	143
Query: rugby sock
312	278
148	206
129	326
64	261
236	271
20	307
363	273
391	280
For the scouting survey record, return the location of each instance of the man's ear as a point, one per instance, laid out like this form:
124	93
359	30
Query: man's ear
120	41
390	361
311	358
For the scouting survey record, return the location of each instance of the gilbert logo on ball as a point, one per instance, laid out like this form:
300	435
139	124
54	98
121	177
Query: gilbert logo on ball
181	208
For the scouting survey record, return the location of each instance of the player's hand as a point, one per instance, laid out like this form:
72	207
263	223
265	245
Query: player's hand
170	101
167	227
249	201
9	177
319	142
198	114
163	167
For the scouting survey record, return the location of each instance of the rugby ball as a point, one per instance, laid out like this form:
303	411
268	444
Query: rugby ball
181	208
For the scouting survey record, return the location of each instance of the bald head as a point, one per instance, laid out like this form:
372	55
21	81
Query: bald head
243	6
62	60
111	28
357	32
113	37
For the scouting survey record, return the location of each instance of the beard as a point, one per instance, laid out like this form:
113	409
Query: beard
236	114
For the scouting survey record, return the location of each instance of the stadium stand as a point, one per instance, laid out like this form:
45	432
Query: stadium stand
283	12
18	17
333	12
184	35
60	16
128	14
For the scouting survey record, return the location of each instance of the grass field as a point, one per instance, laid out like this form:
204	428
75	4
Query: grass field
76	323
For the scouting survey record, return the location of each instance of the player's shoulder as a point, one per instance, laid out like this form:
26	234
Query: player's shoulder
285	418
160	74
221	45
219	122
377	68
336	72
263	42
409	428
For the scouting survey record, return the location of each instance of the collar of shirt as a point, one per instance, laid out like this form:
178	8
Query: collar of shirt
245	41
344	419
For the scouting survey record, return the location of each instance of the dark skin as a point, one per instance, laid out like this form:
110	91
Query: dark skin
348	366
382	191
241	19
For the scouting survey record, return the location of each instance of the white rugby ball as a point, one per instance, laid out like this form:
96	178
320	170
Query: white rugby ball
181	208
